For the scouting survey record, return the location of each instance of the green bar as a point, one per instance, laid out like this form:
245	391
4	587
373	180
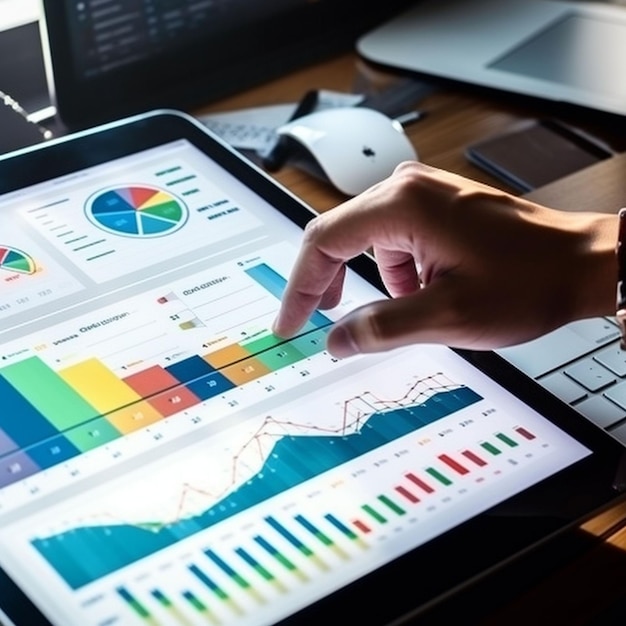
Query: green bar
270	549
195	602
48	393
133	602
214	587
392	505
284	561
375	514
220	593
316	532
280	356
259	569
509	442
254	564
162	599
311	343
254	346
227	569
490	448
93	434
439	476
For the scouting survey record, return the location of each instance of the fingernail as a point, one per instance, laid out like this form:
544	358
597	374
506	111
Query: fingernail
341	343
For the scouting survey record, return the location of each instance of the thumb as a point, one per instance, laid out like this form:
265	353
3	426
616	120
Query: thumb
426	316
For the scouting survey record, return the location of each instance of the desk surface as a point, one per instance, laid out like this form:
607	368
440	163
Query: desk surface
589	589
454	120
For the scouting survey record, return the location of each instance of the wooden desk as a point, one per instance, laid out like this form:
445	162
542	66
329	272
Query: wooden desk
454	120
584	590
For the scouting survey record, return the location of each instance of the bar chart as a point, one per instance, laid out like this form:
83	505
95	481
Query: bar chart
77	408
260	567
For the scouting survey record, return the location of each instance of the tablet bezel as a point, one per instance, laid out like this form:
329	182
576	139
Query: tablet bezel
534	518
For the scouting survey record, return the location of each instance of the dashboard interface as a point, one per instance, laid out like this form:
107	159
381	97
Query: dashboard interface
176	462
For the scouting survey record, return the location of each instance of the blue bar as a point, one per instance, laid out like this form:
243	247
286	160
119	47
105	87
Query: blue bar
20	420
275	284
348	532
199	377
227	569
53	451
210	386
268	279
267	546
292	539
200	575
190	369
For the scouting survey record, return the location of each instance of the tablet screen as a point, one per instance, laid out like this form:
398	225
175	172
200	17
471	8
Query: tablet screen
165	459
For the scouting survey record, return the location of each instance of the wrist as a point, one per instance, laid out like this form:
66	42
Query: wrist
595	293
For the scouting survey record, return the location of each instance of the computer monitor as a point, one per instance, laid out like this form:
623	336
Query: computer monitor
111	58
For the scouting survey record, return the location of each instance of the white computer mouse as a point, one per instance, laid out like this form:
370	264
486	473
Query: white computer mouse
352	147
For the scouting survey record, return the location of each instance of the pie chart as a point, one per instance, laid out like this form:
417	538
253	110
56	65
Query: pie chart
14	260
137	211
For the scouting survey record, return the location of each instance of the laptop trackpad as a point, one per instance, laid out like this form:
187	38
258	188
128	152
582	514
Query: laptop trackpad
579	51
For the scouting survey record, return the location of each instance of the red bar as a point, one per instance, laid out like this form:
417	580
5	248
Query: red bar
419	482
451	463
474	458
524	433
407	494
162	390
361	526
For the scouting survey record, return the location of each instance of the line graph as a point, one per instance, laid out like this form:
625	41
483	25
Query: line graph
280	454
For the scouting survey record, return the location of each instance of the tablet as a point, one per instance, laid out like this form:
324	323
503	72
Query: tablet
166	460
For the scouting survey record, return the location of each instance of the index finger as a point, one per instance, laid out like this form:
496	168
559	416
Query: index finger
330	240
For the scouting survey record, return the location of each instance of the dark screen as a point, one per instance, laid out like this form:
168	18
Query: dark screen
111	58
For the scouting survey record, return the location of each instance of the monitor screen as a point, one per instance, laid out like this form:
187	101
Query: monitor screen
109	58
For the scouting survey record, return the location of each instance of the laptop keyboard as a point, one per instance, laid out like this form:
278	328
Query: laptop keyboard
582	364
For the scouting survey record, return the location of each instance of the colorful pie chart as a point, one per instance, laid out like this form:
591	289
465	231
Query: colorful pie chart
137	211
14	260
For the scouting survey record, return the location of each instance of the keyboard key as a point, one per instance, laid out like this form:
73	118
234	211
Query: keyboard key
617	394
590	375
600	411
563	387
614	358
619	433
599	330
567	343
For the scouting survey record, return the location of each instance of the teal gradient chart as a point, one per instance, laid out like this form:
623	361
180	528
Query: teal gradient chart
137	211
294	460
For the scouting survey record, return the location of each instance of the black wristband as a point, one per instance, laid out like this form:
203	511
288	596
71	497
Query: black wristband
620	251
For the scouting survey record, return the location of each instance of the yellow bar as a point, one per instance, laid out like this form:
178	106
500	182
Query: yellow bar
134	417
99	386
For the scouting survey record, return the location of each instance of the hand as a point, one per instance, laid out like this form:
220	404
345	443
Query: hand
466	265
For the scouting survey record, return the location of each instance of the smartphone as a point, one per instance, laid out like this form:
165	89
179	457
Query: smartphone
536	153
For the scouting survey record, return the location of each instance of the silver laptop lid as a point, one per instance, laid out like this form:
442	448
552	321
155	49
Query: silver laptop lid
565	51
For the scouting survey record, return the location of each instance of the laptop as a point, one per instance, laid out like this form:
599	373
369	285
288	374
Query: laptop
166	460
562	51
